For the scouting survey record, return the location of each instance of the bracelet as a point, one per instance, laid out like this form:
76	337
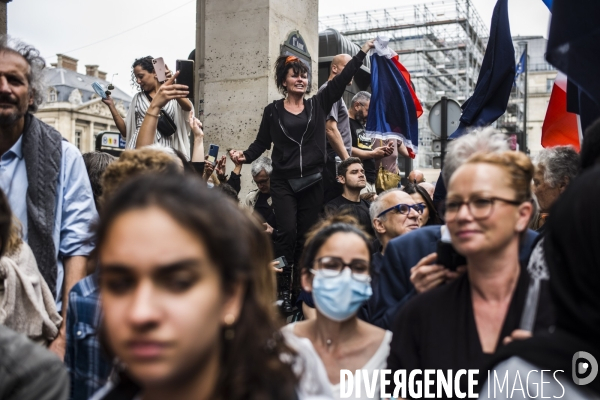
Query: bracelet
152	115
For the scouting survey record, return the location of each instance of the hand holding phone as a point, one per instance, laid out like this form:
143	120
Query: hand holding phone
282	262
448	256
186	74
213	152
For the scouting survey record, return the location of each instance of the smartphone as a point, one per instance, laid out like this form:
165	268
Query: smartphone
448	256
160	69
213	153
99	90
282	262
186	75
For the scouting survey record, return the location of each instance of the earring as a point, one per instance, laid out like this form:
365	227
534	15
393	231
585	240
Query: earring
229	332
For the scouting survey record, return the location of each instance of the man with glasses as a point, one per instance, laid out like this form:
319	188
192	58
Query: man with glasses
408	266
351	174
362	145
394	213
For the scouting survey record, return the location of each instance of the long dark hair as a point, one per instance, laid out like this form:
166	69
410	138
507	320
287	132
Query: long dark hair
146	64
251	366
434	218
281	70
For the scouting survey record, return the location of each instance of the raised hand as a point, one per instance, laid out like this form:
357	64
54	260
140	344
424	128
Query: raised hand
169	91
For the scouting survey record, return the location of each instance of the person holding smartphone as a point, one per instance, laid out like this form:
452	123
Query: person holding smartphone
174	111
295	126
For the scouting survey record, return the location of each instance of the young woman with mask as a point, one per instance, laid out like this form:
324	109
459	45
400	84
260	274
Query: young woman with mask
144	79
187	294
335	268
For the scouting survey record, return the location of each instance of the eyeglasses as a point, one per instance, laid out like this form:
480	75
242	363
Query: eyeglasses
333	266
480	208
261	182
404	209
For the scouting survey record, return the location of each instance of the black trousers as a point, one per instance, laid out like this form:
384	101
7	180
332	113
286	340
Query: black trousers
296	213
332	188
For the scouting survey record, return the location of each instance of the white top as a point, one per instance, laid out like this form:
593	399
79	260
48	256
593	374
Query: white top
315	374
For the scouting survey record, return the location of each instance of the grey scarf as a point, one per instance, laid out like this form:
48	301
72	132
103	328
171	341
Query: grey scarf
42	151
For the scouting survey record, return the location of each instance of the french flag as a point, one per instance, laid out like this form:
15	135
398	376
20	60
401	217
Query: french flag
394	107
560	127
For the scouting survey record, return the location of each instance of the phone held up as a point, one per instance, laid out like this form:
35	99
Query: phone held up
448	256
186	75
213	153
159	69
282	262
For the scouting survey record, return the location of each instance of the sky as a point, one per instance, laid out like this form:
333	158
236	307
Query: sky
112	33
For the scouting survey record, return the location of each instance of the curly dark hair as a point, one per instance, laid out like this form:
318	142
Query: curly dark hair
146	64
281	71
252	366
35	77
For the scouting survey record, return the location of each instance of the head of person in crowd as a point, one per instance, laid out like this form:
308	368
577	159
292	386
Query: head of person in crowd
420	196
555	168
26	66
416	176
188	307
428	187
488	206
590	148
96	163
359	107
486	140
132	163
351	174
261	170
291	76
229	192
393	214
143	76
335	267
338	64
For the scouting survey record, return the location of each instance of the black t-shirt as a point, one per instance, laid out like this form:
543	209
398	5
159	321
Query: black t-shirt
360	210
265	209
295	125
361	141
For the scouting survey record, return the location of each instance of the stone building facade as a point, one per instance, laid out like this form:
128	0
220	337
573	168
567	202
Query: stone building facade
73	108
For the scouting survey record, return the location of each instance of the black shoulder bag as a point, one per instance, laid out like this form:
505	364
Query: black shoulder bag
166	126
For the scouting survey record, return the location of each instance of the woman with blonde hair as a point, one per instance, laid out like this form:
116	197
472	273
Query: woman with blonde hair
461	324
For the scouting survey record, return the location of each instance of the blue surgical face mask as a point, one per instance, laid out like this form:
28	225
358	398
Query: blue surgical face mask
339	297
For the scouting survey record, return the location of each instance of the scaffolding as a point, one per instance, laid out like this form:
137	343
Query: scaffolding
441	43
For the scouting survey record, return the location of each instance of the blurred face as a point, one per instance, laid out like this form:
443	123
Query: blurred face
146	80
15	96
476	183
420	200
546	195
394	224
263	182
355	177
345	245
362	112
162	297
296	83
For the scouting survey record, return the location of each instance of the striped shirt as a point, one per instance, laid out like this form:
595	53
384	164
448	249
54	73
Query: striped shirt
141	107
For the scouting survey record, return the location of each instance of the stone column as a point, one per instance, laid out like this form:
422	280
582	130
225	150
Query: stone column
3	17
243	38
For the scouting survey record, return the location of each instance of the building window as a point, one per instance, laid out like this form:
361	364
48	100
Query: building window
51	95
78	135
549	85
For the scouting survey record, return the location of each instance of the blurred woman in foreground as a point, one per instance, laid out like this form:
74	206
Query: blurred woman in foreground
187	295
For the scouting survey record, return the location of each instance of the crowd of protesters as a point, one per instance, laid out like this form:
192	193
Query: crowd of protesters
145	276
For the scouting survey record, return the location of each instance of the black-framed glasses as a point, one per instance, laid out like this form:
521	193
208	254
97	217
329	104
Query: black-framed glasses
333	266
261	182
404	209
480	208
